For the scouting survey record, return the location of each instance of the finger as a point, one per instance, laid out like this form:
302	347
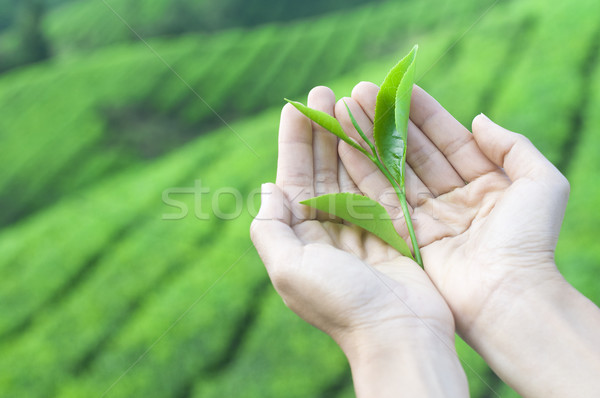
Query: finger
513	152
366	125
346	184
429	164
362	171
350	239
539	190
270	231
367	177
449	136
325	157
295	160
365	94
416	191
313	231
345	181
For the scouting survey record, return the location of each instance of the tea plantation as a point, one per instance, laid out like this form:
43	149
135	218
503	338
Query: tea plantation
111	290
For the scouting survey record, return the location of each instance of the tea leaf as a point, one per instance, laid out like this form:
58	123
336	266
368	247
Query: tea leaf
403	96
364	212
390	136
328	122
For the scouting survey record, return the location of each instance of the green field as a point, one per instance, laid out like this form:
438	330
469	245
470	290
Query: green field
104	293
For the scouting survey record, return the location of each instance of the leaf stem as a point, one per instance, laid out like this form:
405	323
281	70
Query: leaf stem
362	134
409	225
401	193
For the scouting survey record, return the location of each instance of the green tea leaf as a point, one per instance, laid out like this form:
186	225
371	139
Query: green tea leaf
403	96
390	136
364	212
328	122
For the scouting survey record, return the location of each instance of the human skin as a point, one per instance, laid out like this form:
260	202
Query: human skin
380	307
487	209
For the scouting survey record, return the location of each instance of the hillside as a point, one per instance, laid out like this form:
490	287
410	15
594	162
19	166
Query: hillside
86	24
35	30
94	273
127	106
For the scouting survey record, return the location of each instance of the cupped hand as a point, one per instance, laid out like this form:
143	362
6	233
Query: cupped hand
338	277
487	207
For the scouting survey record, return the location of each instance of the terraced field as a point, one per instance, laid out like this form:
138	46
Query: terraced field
108	292
127	106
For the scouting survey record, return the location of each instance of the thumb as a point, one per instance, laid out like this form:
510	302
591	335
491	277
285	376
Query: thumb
270	230
513	152
539	200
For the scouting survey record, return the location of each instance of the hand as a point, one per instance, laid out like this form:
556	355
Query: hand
480	227
487	209
343	280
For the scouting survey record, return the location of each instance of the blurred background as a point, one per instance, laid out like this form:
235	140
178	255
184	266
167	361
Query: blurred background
110	289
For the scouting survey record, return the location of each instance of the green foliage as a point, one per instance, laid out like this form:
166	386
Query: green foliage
92	274
91	24
578	253
390	127
27	42
364	212
119	121
528	84
156	254
388	152
284	369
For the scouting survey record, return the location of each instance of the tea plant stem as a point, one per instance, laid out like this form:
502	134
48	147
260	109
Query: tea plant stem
409	225
401	193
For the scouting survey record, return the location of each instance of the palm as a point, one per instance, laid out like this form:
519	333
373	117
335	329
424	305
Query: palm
362	281
471	219
474	239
